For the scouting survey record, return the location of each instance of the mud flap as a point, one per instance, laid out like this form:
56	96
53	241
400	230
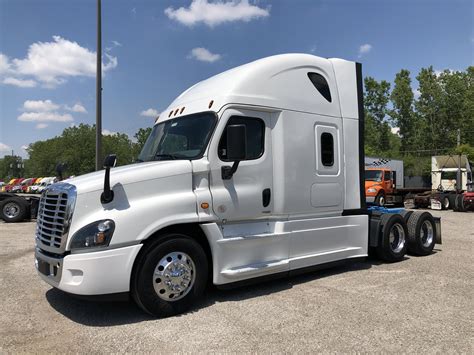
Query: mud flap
438	229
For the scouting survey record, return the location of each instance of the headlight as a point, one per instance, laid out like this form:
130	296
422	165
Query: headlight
371	190
95	235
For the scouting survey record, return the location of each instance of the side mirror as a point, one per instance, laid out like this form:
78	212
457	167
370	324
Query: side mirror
110	161
108	195
236	142
236	149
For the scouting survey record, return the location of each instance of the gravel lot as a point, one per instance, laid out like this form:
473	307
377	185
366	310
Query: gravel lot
422	304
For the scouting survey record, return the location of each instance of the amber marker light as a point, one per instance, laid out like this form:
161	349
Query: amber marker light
204	205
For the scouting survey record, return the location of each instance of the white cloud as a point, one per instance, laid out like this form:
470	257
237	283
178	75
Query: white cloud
51	63
151	112
40	105
395	130
22	83
24	147
4	64
4	147
76	108
204	55
216	13
45	117
364	49
106	132
41	125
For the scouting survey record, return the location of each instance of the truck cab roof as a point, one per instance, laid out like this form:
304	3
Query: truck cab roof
299	82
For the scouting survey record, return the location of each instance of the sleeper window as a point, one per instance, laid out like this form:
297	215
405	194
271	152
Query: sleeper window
255	137
321	84
327	149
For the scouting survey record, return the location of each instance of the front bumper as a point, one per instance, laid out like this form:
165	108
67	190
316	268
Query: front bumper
94	273
370	199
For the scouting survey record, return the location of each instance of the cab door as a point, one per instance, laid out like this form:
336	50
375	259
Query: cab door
247	195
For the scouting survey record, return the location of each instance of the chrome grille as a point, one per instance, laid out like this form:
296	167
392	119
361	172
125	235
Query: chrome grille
54	217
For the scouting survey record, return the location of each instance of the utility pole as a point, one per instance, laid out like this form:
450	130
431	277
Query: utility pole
98	104
458	174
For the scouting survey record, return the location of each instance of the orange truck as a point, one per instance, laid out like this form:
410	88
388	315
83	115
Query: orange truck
384	182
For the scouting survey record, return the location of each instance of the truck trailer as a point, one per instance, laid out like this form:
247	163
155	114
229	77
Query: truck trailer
255	172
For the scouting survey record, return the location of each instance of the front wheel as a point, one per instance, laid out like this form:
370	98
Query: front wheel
170	275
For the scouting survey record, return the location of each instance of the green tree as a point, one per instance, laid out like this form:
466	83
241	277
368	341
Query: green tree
377	130
429	107
75	147
141	136
402	114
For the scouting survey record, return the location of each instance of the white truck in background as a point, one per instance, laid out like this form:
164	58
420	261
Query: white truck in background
254	172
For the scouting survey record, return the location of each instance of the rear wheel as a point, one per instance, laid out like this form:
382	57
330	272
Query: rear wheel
445	202
459	203
380	199
13	209
392	246
170	275
421	233
406	215
452	198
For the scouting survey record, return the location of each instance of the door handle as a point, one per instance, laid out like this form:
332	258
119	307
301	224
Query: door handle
266	197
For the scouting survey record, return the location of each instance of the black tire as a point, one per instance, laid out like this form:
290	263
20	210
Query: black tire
421	233
452	199
445	202
380	199
13	209
406	215
392	250
143	277
459	203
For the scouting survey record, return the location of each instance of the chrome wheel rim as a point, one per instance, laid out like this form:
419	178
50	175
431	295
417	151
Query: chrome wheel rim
426	234
174	276
11	210
397	238
446	203
382	201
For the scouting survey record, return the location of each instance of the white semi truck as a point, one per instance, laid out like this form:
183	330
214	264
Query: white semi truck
254	172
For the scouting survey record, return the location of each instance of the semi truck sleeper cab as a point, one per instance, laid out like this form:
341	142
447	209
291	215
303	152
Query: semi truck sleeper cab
256	171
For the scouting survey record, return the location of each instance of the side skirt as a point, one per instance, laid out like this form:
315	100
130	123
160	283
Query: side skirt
292	273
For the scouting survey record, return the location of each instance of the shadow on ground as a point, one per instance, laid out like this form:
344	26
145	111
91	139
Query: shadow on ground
105	314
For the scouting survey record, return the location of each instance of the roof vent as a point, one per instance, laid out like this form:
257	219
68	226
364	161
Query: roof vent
321	84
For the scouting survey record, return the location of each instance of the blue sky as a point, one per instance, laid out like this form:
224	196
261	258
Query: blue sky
155	49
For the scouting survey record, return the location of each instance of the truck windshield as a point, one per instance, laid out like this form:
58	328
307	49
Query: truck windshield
179	138
373	175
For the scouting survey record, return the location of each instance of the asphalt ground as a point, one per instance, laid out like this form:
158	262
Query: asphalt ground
422	304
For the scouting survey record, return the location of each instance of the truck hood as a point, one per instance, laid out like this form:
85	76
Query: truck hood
372	184
130	174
